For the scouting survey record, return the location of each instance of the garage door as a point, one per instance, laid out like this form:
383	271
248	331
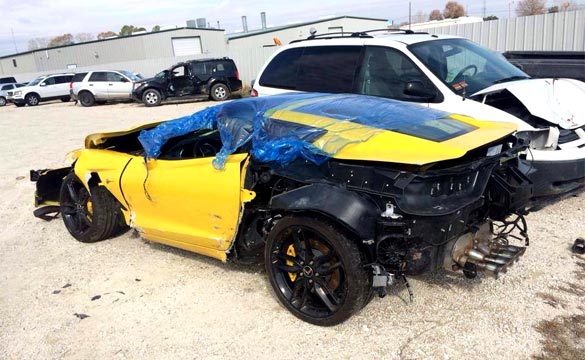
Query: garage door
187	46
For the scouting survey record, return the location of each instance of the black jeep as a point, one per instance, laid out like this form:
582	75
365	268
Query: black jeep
214	78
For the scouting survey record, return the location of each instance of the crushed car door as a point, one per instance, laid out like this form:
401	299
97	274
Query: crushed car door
181	83
185	202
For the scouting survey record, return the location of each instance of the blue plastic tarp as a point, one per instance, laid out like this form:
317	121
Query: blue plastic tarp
279	129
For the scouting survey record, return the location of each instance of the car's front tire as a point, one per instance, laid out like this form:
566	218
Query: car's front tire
2	101
219	92
315	270
151	97
86	98
89	217
32	99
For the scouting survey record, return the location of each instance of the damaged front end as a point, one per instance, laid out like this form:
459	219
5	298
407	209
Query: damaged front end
48	187
409	221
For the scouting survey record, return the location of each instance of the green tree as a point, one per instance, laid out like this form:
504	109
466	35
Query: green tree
490	17
129	30
155	28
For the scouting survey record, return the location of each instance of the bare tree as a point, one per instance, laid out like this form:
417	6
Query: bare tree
38	43
83	37
106	34
453	10
65	39
419	17
435	15
530	7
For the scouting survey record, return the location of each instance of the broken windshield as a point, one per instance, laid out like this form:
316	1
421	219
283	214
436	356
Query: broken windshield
464	66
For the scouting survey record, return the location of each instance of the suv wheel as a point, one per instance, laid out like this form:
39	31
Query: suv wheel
86	98
315	270
32	99
219	92
151	97
2	101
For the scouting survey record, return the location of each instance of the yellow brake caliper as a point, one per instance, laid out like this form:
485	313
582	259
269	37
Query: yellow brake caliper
290	251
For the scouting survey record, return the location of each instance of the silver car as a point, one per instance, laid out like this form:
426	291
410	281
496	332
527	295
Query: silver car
101	86
4	92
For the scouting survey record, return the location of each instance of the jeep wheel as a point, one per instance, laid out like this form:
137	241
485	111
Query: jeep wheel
151	97
86	98
89	217
315	270
32	99
219	92
2	101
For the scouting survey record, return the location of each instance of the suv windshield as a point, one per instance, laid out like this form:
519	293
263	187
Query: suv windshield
464	66
130	75
162	74
36	81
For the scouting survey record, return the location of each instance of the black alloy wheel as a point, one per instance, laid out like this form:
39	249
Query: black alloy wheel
315	270
89	217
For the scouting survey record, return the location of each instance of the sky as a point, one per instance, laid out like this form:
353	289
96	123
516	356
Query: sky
26	19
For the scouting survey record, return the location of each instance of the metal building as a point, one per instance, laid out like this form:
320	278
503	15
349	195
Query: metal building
146	53
250	49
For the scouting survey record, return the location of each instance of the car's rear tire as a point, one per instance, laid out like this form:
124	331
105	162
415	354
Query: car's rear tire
151	97
2	101
32	99
323	286
66	98
89	217
219	92
86	98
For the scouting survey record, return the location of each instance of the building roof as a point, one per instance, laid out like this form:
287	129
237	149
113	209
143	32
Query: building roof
108	39
291	26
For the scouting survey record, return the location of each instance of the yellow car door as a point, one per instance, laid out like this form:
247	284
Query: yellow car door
185	203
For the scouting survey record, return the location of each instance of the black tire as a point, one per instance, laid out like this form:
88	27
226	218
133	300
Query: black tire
88	217
66	99
86	98
324	286
219	92
2	101
151	97
32	99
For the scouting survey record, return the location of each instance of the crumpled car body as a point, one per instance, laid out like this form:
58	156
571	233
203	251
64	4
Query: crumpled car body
337	194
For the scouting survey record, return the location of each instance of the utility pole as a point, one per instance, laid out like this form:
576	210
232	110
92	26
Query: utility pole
14	41
409	14
484	8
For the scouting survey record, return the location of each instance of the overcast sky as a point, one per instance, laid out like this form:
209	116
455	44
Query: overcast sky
28	19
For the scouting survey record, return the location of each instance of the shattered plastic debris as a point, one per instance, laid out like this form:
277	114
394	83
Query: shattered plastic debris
66	286
96	297
81	316
56	291
579	246
285	127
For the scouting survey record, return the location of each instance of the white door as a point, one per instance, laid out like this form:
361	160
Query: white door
98	84
119	87
187	46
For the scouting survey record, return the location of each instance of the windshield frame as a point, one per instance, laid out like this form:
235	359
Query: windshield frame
36	81
494	59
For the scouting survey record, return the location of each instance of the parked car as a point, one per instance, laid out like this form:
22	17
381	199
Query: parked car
43	88
448	73
213	78
4	89
8	80
101	86
339	194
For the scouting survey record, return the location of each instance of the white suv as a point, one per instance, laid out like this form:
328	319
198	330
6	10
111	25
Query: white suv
43	88
451	74
103	85
4	89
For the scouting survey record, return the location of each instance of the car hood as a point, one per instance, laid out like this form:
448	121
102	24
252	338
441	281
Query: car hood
558	101
316	127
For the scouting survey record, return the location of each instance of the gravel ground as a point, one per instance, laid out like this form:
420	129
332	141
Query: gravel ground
162	303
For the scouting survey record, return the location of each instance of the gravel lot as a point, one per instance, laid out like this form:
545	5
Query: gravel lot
161	303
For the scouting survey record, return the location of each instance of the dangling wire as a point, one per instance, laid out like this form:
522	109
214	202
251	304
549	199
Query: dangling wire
146	179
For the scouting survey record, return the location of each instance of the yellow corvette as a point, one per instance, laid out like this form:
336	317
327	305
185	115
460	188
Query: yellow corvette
339	195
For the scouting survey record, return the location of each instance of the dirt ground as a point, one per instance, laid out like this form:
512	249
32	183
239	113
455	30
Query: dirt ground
148	301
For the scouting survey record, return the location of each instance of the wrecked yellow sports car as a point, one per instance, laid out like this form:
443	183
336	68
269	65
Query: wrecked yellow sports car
339	195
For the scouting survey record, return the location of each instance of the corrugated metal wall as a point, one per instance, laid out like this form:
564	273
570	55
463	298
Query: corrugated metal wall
562	31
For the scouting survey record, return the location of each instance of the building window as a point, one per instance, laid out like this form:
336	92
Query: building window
14	63
187	46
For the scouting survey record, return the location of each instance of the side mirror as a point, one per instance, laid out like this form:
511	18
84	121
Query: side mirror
418	89
42	84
